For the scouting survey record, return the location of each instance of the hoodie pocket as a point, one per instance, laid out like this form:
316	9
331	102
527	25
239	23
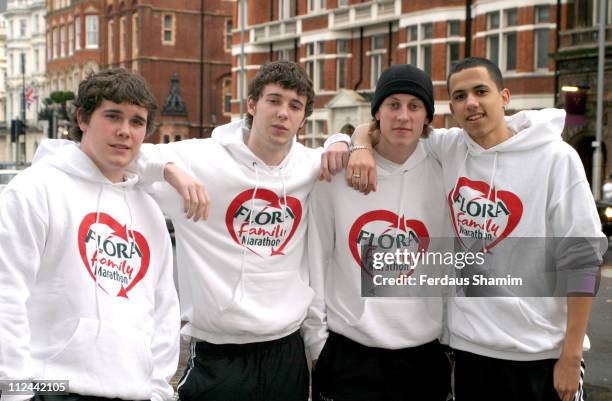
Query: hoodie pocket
268	303
106	359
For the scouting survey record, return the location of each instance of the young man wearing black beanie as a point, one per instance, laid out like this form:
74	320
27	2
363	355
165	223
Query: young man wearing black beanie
526	346
377	348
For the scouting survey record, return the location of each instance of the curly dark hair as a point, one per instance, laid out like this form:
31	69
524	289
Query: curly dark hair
288	75
117	85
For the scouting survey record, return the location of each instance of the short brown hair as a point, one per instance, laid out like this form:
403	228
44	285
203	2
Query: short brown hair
288	75
374	131
117	85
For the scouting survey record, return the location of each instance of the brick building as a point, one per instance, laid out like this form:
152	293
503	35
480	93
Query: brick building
73	42
345	44
178	46
577	65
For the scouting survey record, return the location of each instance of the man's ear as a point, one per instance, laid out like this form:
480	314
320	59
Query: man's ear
450	105
251	103
505	93
81	120
302	123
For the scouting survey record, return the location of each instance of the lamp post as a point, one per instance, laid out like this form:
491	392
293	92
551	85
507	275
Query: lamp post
597	154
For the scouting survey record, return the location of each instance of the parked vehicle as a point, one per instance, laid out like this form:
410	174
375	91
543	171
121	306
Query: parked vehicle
604	209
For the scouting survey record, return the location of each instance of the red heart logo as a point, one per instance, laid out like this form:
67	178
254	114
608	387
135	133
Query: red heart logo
266	231
115	258
375	226
478	215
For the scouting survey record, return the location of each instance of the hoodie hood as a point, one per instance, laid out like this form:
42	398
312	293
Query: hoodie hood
531	128
68	157
386	168
233	137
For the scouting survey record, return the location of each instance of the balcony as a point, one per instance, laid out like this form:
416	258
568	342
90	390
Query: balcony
582	38
275	31
369	13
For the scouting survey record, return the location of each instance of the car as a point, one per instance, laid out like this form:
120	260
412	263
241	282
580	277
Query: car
6	176
604	209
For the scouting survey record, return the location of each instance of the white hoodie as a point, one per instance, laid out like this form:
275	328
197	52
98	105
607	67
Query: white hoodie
410	195
242	273
119	338
537	188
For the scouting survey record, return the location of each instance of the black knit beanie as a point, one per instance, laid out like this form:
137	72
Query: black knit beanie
404	78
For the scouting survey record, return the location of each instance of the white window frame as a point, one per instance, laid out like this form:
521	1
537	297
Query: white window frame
77	33
165	29
501	33
55	53
419	43
92	32
316	5
70	38
63	41
376	55
313	60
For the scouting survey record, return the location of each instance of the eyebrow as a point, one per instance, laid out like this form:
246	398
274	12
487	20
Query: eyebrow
118	111
479	86
278	95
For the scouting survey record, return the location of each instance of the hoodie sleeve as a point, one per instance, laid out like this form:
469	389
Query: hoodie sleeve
580	244
166	338
337	138
22	241
320	248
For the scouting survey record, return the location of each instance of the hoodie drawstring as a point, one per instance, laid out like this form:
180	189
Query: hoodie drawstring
94	267
484	227
282	177
240	285
400	205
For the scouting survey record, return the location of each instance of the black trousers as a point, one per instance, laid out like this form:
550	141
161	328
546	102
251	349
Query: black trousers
349	371
479	377
267	371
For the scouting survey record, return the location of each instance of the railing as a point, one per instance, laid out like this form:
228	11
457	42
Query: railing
274	31
582	37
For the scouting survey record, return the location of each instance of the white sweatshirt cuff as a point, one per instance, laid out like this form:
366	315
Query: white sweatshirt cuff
337	138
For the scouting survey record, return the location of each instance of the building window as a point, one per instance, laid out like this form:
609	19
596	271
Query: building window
453	55
315	64
427	59
454	28
542	14
285	54
541	38
493	48
376	58
36	60
70	39
493	20
55	43
168	29
77	33
316	5
315	133
63	41
228	34
286	9
343	3
341	63
427	30
510	41
22	27
135	48
227	96
110	39
91	25
501	41
511	17
35	19
48	45
11	67
123	39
